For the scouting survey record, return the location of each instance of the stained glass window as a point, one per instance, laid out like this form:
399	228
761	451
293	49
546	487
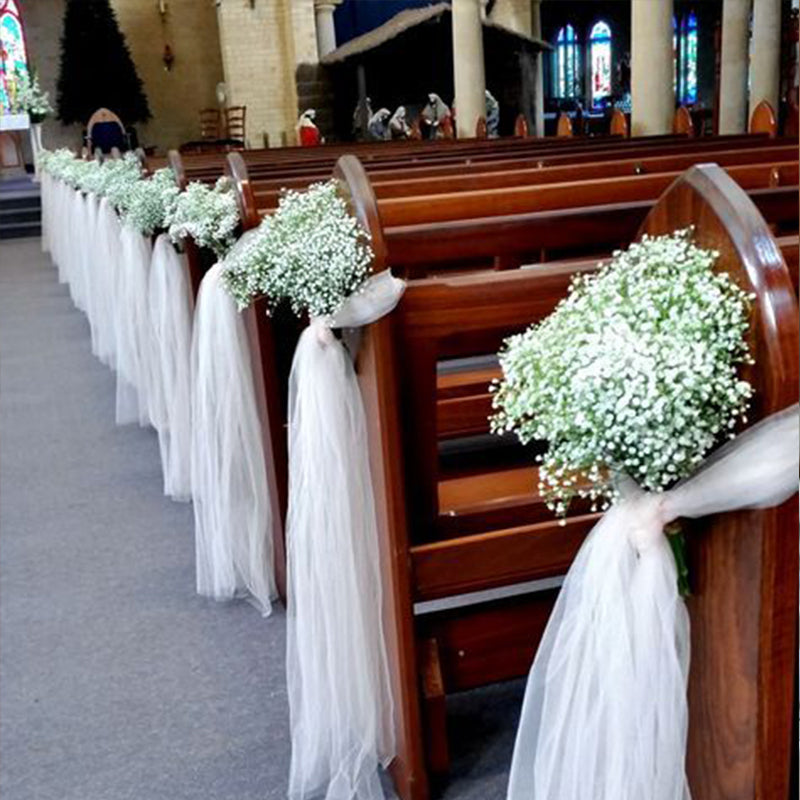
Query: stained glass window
684	45
687	91
567	67
600	54
13	54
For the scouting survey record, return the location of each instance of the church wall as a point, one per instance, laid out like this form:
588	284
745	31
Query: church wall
43	21
261	50
175	97
513	14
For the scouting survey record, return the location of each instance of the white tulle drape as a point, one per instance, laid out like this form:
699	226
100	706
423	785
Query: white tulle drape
134	341
605	714
232	512
338	682
171	398
108	263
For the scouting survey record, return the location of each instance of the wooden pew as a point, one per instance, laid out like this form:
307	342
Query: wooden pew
699	150
264	164
413	250
745	565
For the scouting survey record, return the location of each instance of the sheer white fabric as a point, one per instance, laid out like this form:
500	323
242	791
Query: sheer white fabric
170	402
233	517
338	682
134	338
108	235
605	714
91	266
46	193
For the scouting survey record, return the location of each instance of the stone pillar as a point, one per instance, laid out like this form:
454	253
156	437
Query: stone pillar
326	32
765	74
536	32
468	65
652	68
733	74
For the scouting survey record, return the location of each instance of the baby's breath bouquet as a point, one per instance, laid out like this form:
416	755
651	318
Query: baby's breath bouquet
312	253
151	202
209	215
120	176
634	373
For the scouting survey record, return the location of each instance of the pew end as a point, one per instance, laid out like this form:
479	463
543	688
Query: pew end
682	122
745	565
763	120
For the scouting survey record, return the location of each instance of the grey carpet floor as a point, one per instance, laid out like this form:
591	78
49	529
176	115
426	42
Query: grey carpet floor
116	681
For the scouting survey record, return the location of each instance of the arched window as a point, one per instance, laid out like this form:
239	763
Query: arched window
684	46
567	67
13	53
600	56
687	68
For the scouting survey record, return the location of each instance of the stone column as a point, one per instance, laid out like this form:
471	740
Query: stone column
652	92
326	32
733	73
765	66
468	66
536	32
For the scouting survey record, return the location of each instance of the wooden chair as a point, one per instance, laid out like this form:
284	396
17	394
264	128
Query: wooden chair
106	131
450	536
210	124
682	122
763	120
564	125
618	125
235	123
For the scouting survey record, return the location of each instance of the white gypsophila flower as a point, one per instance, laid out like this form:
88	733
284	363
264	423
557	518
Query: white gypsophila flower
635	372
120	176
151	202
312	253
209	215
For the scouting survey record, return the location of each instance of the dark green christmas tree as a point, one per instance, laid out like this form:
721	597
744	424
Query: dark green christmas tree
96	67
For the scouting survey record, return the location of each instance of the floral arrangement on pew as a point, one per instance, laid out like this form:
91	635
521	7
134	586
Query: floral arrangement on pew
634	373
312	253
150	202
147	203
209	215
631	381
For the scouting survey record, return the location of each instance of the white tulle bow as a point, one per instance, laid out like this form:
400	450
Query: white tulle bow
605	715
338	679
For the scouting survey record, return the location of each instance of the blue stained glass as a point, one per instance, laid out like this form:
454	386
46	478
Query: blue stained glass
567	80
600	53
689	59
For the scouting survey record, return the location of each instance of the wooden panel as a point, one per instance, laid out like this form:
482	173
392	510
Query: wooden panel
520	199
488	643
376	363
497	558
